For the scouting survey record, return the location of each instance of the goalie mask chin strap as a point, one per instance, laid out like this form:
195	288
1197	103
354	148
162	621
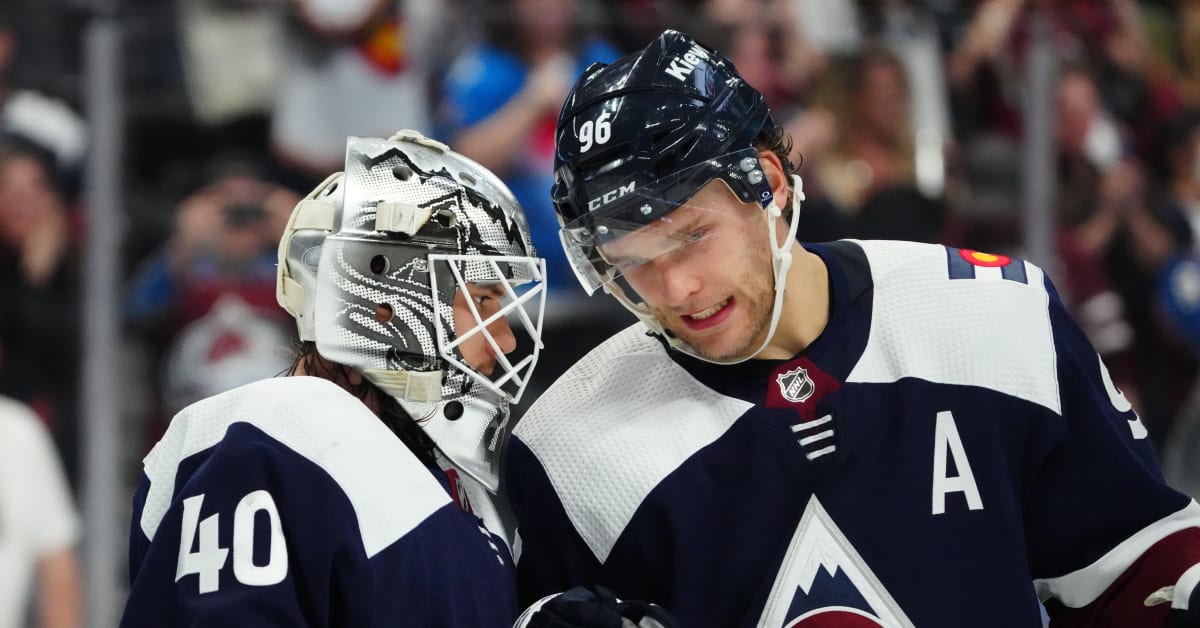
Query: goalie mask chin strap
408	385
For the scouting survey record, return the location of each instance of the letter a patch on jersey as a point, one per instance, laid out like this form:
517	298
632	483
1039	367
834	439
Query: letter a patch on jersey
825	583
969	264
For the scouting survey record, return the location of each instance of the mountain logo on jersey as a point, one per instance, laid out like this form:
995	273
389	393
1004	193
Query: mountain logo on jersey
795	385
824	582
837	618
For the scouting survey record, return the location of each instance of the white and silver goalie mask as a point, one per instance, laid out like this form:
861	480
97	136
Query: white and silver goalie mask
415	267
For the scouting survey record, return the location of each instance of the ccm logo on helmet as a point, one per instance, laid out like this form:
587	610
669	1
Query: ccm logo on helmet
610	196
681	67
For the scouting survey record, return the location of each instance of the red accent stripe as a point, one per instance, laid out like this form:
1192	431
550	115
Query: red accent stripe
824	385
1122	605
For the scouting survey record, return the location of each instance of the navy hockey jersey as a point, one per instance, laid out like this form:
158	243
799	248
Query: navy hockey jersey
949	449
286	502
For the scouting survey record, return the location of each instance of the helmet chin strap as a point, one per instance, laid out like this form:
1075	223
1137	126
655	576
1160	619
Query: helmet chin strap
781	262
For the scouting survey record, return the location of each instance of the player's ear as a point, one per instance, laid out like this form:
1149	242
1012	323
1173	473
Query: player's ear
777	177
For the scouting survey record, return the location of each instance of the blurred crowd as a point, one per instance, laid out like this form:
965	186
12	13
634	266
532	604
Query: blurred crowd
907	119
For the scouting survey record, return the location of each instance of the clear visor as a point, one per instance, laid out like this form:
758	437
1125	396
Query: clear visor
498	309
648	262
641	225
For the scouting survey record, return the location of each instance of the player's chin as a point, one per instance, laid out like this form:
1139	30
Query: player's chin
482	366
720	347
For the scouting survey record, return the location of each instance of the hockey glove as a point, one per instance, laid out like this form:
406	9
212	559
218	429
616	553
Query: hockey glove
594	607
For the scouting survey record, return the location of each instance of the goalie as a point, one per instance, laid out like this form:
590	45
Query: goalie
355	492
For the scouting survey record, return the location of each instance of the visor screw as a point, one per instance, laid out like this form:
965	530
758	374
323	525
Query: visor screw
453	410
748	164
720	134
402	172
646	209
755	176
602	230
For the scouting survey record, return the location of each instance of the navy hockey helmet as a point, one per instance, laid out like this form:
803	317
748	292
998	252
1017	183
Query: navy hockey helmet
636	139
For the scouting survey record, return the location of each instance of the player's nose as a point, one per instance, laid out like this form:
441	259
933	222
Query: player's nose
677	280
503	334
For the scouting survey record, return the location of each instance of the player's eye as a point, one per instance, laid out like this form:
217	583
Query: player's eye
696	235
630	263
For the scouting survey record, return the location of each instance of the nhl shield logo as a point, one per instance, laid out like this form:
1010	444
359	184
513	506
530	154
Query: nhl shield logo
795	385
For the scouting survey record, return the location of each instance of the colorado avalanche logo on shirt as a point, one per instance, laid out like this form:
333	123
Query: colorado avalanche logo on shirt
837	618
795	385
824	582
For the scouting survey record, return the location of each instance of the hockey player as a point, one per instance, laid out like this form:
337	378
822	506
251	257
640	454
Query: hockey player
320	499
844	434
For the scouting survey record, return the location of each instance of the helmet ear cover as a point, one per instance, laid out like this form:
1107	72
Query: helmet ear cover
311	221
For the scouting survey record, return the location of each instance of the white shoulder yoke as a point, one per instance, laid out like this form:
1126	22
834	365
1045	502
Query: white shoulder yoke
626	400
389	488
940	318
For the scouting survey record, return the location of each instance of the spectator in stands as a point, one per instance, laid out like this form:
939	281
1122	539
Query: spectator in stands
868	94
759	36
1173	365
36	119
1189	25
39	283
865	184
501	100
353	67
224	241
39	528
222	249
498	106
1109	36
1110	245
1178	161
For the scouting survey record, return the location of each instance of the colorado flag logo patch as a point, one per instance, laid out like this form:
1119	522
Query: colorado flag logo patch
970	264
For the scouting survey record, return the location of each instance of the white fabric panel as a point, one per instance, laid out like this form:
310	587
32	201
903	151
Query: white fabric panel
1081	587
989	273
37	517
390	490
1184	587
957	331
626	400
